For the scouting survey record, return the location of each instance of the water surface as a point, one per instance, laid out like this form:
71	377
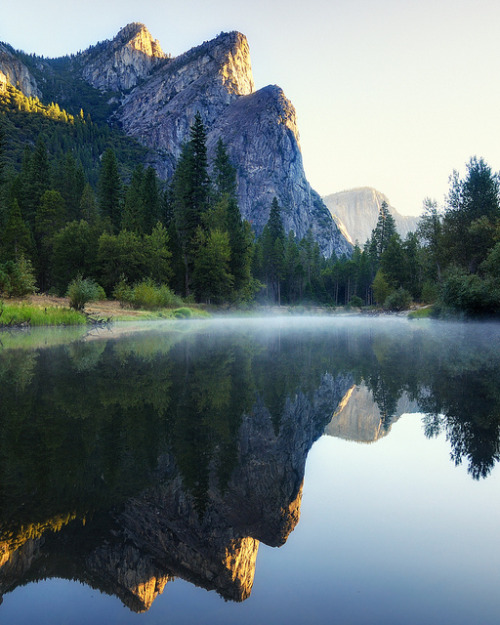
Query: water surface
299	470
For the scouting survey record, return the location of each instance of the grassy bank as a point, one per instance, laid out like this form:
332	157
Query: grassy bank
33	315
41	310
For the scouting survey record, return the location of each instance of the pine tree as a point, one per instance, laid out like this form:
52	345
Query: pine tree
273	250
473	212
133	208
190	192
88	206
109	190
49	219
16	240
382	233
150	200
224	172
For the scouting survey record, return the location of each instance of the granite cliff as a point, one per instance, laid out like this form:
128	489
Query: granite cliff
154	98
356	213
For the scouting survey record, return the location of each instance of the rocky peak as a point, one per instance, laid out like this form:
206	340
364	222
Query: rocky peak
357	211
14	72
122	62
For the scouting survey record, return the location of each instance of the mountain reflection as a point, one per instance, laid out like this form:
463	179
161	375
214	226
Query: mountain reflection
128	461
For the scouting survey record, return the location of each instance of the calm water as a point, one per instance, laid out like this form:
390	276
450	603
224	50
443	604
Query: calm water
307	470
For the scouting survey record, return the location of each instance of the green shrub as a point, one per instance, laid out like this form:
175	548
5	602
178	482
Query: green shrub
183	313
146	295
356	301
81	291
398	300
422	313
123	293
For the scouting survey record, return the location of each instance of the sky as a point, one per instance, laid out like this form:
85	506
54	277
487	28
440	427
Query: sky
392	94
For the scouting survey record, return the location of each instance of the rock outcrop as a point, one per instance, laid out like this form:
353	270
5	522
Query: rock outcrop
156	98
259	128
14	72
357	212
123	62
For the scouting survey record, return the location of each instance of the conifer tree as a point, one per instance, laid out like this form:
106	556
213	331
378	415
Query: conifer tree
382	233
273	250
16	240
109	190
190	193
150	200
133	208
224	172
88	206
38	180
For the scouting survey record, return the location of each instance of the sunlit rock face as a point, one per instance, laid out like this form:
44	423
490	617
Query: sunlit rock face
206	79
124	61
14	72
259	128
357	211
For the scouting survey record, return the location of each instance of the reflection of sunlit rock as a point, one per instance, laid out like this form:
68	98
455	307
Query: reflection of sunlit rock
358	417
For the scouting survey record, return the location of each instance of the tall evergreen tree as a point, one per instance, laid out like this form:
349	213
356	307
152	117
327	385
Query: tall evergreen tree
224	172
109	190
190	192
473	213
273	250
382	232
150	200
133	207
16	240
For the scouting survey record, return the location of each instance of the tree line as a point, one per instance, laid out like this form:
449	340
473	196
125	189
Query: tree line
65	214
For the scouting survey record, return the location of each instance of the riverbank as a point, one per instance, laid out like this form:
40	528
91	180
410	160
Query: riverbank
47	310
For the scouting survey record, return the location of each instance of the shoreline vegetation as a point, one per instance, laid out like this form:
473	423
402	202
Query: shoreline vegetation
98	230
49	311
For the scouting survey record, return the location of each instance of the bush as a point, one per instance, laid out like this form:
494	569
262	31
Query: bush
356	301
398	300
183	313
146	295
81	291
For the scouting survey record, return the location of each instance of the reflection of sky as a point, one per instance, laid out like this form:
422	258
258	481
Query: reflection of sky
390	533
389	94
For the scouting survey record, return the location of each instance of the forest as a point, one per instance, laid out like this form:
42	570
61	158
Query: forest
82	208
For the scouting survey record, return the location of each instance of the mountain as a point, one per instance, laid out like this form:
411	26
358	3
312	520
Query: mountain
130	83
356	212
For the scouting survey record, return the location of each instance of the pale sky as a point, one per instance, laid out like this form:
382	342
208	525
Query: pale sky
392	94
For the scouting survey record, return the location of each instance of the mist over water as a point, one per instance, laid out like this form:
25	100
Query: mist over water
190	450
